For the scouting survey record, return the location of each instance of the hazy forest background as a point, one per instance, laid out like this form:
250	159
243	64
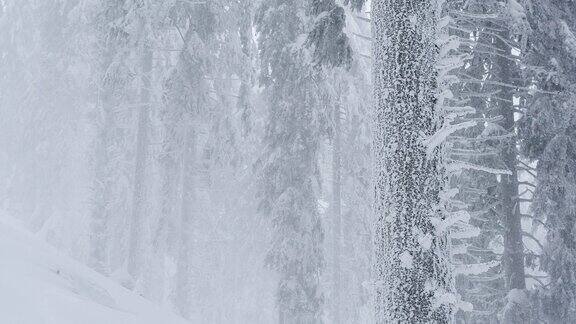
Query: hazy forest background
287	161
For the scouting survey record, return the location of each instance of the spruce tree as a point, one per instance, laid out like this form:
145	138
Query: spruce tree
289	168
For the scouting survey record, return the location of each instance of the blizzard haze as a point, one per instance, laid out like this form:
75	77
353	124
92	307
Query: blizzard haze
287	161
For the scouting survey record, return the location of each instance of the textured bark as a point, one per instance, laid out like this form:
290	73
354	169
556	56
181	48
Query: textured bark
409	274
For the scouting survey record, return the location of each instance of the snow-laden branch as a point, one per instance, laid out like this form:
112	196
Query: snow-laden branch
442	134
456	166
476	268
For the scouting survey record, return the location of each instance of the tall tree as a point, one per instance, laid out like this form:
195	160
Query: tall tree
331	49
290	164
111	180
491	34
136	251
336	209
185	105
412	259
548	137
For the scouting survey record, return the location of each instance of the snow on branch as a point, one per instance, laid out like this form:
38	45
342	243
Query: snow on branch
442	134
457	166
476	268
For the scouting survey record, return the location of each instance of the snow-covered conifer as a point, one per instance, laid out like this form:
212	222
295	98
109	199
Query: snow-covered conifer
290	163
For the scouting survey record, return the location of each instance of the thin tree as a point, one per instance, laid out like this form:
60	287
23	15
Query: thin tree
548	136
109	198
136	250
290	164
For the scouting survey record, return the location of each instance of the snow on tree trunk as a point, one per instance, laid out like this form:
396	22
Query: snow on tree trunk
136	252
513	259
173	118
548	133
186	98
480	146
184	289
100	210
411	261
108	195
337	213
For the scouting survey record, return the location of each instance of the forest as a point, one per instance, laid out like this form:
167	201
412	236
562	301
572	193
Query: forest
287	161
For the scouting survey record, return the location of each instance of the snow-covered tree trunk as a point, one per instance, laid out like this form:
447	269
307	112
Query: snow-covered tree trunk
184	275
173	118
548	133
110	138
483	288
489	83
100	209
136	252
411	263
337	214
513	259
170	170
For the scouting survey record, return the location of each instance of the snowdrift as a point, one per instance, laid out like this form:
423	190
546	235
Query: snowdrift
39	285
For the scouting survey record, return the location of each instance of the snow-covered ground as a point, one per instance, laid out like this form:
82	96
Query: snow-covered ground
39	285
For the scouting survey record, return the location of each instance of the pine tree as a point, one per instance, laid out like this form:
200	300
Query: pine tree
329	43
185	104
290	164
332	54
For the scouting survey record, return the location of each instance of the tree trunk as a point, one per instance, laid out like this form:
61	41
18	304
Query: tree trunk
337	214
100	215
411	261
513	259
184	270
105	172
136	249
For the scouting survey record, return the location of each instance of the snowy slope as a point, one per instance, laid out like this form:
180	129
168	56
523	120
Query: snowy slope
39	285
